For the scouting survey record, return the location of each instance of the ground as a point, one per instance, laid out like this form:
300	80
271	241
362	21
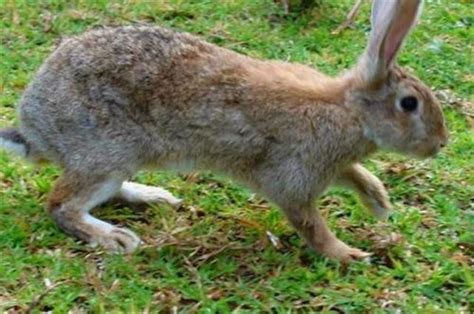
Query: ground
228	249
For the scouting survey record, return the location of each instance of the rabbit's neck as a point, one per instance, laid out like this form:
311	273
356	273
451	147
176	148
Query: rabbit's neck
295	84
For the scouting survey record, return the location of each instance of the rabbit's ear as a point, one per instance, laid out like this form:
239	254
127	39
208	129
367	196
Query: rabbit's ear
391	23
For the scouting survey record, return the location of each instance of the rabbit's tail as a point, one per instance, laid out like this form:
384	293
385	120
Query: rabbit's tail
13	141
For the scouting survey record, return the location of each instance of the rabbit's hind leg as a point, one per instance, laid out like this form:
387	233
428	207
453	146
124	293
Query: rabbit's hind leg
138	193
74	195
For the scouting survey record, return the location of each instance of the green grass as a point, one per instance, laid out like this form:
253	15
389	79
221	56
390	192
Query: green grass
217	257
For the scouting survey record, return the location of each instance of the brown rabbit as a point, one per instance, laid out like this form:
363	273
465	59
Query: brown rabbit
112	101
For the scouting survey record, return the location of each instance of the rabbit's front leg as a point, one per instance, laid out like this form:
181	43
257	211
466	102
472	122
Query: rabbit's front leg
74	195
293	187
312	227
370	189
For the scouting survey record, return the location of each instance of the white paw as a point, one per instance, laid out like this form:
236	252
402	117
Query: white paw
139	193
380	212
378	204
117	240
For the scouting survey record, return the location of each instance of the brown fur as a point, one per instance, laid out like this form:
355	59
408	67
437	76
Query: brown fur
115	100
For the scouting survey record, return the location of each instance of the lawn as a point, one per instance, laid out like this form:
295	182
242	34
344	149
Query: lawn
215	254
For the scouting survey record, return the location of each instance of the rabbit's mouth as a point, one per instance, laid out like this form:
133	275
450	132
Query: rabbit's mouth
434	151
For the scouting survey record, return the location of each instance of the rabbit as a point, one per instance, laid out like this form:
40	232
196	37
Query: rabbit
113	101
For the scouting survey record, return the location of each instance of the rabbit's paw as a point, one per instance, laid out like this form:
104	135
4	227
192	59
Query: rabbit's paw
117	240
382	213
338	250
379	205
375	198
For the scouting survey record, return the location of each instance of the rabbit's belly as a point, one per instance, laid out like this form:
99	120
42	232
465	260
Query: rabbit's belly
184	165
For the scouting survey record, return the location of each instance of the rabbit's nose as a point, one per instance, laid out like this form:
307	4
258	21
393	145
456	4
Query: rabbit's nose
444	137
443	143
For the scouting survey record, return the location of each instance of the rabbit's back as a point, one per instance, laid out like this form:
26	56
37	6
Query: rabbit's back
138	61
142	91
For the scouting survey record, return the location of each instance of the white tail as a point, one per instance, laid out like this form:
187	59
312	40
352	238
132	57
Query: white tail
11	140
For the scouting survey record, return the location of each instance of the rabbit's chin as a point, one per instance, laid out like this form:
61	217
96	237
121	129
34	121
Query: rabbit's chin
425	153
418	152
421	152
421	149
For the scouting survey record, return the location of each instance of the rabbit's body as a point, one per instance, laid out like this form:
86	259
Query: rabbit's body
113	101
151	97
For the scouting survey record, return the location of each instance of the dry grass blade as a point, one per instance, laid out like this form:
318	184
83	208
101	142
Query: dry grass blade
350	17
274	240
204	258
37	301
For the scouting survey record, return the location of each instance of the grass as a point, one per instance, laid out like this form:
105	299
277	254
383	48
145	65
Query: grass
215	256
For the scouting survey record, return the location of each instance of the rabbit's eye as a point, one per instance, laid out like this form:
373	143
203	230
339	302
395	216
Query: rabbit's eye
409	103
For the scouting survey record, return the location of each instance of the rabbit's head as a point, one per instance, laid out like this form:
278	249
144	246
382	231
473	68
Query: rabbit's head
398	111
